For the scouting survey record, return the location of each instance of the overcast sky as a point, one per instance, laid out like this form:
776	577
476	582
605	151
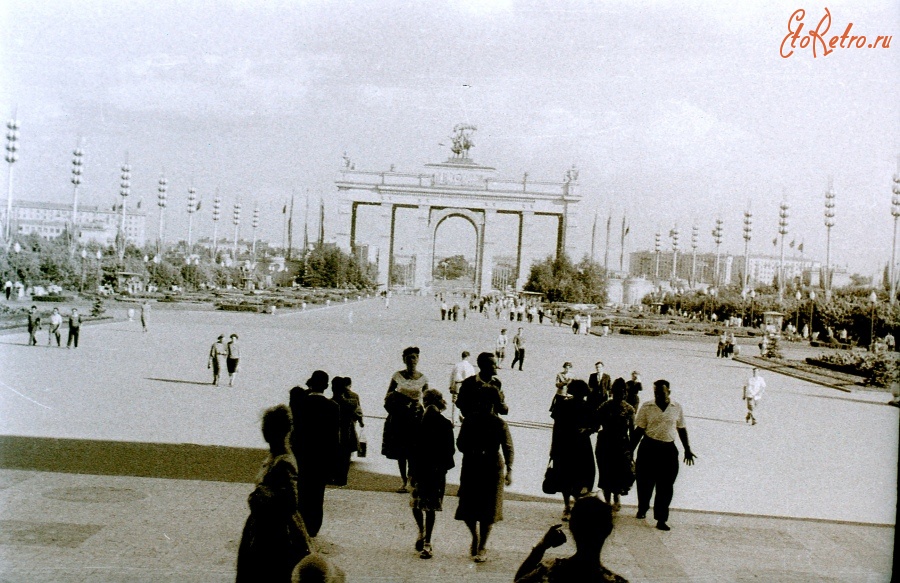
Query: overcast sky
674	112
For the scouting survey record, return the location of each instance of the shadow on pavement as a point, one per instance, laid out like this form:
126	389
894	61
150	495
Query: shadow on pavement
179	381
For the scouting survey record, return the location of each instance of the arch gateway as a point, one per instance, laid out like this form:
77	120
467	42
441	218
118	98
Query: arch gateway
456	187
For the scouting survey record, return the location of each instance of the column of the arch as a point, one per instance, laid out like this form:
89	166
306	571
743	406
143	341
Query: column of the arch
383	242
424	245
488	248
345	218
527	236
569	232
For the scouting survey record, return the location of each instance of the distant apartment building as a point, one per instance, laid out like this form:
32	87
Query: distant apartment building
50	220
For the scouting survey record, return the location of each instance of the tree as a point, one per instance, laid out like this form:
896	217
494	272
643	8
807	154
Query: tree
561	281
328	266
455	267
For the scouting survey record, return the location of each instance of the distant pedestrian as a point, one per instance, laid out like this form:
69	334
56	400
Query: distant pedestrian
351	413
56	321
500	347
599	382
403	403
431	458
753	392
615	463
7	289
633	386
461	371
487	449
315	441
720	346
656	426
519	346
74	328
145	314
232	358
216	353
34	324
443	310
570	449
274	539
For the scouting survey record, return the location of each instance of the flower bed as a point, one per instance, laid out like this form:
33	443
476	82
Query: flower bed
878	368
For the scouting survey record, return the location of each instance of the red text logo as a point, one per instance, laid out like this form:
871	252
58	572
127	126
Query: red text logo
818	40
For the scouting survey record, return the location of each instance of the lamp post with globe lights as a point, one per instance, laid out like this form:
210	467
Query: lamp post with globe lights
674	234
895	212
695	239
161	201
124	191
782	230
191	209
255	224
658	249
812	307
752	297
77	169
12	148
798	296
748	235
873	298
217	212
829	222
236	219
717	237
83	258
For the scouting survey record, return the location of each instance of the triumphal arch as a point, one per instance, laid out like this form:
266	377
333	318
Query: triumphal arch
458	187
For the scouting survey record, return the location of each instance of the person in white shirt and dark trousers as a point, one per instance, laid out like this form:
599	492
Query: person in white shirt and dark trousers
461	371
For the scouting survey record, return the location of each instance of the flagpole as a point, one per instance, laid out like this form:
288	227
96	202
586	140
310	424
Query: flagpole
606	252
290	229
306	224
594	237
622	246
284	223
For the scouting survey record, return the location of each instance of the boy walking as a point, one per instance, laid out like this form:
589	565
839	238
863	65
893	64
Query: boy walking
753	392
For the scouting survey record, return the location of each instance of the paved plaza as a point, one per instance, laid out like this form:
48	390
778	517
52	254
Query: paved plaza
816	454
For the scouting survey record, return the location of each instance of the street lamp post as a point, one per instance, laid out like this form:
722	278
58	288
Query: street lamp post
674	234
782	230
191	208
77	169
12	147
717	237
752	297
161	202
236	219
748	235
829	222
255	224
124	191
812	307
217	211
799	297
895	212
658	249
99	267
83	257
873	297
695	238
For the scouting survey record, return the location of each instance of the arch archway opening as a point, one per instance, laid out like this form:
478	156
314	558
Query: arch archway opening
455	255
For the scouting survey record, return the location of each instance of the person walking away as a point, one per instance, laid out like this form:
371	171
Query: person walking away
403	403
570	449
591	524
74	328
461	371
500	347
753	392
232	358
615	463
7	289
633	386
656	426
487	449
720	346
216	353
443	310
274	538
351	413
315	442
34	324
145	314
599	382
519	346
56	321
431	458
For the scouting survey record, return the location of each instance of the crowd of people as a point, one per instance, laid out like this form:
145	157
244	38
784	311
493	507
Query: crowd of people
54	327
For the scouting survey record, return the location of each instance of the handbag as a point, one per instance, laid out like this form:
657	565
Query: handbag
551	484
363	442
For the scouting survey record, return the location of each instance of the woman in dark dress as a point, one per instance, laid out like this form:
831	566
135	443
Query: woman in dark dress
274	538
403	402
570	448
486	445
615	465
432	456
351	414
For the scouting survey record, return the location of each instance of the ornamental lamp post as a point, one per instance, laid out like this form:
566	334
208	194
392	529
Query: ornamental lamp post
752	297
236	219
717	237
695	239
829	222
674	234
895	212
83	257
812	307
658	249
255	224
798	297
873	297
77	169
12	147
124	191
161	201
748	235
191	209
782	230
217	211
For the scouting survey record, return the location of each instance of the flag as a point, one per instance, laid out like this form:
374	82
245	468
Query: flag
775	242
800	247
284	210
627	229
199	202
792	243
139	203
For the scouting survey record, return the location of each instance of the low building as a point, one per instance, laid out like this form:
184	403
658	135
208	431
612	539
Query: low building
95	224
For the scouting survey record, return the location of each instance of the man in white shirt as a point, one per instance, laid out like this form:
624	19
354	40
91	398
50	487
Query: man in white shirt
500	347
461	371
655	428
56	321
753	392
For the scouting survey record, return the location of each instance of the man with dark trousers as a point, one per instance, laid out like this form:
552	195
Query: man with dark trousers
519	348
314	441
655	428
599	383
74	328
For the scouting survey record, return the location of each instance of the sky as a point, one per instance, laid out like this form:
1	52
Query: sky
675	113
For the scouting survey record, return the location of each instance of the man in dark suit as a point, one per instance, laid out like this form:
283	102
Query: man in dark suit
314	441
600	383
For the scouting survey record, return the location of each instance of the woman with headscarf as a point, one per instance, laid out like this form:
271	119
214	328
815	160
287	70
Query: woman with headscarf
570	447
615	420
351	414
432	457
403	403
